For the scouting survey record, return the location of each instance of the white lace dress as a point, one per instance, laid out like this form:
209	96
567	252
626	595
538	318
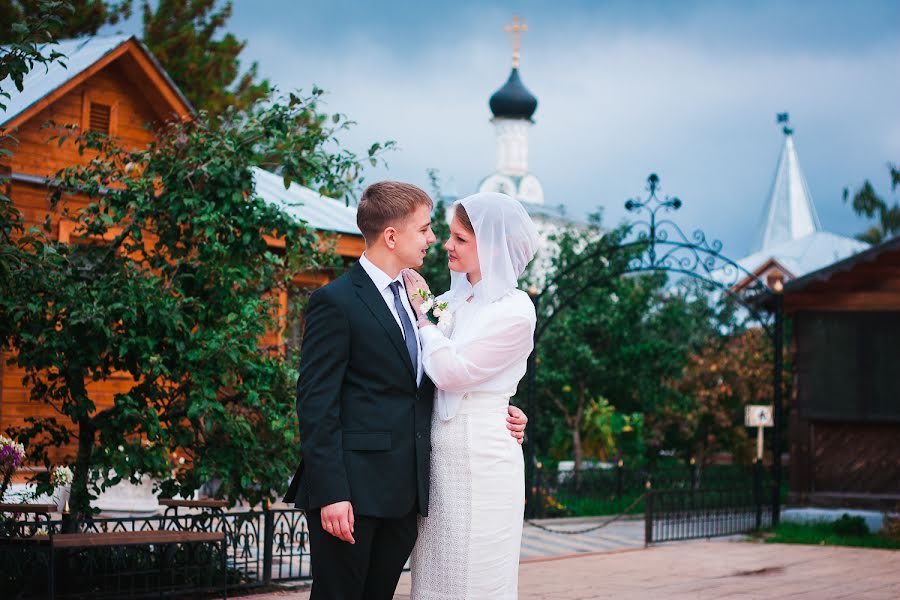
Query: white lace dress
468	546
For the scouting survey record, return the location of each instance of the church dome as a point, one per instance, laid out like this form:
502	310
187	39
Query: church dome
513	100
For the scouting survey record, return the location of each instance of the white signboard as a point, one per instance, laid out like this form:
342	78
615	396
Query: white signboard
758	415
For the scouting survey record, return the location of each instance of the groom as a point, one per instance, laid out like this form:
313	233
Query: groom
364	405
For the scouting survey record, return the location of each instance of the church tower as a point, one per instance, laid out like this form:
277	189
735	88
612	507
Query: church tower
790	213
791	241
512	107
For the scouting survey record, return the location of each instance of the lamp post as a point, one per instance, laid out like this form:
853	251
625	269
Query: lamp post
778	288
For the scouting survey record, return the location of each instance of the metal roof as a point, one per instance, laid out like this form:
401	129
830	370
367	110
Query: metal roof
319	211
80	54
790	213
806	254
847	264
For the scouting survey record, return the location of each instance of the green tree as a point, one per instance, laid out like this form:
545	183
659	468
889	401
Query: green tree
866	202
186	37
172	288
83	17
616	340
25	41
26	46
434	267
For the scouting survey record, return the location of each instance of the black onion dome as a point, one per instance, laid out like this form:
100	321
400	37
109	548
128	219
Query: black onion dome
513	100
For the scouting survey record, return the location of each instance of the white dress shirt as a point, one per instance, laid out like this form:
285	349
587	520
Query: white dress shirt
383	282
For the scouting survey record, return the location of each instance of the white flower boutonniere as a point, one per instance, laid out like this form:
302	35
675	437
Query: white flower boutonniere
437	309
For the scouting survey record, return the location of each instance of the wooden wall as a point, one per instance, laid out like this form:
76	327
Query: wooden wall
853	460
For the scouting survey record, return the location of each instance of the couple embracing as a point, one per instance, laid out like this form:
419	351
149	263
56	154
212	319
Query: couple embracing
410	446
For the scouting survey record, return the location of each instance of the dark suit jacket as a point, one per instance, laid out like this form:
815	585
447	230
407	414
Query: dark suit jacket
365	426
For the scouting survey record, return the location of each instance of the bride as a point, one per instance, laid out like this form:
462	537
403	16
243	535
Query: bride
468	546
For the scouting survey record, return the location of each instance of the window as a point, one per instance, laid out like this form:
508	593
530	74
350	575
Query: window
100	117
293	334
5	180
847	366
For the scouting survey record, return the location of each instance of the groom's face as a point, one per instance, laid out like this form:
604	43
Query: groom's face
412	238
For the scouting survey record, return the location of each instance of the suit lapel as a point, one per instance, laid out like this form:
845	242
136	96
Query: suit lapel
371	297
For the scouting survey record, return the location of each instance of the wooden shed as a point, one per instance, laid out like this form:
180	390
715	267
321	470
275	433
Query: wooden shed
845	422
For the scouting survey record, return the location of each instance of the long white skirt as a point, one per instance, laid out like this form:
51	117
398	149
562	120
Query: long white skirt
468	545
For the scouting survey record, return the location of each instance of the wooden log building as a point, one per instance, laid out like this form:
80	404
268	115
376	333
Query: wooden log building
115	85
845	423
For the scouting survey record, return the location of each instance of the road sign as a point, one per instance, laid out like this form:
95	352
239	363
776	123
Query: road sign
759	416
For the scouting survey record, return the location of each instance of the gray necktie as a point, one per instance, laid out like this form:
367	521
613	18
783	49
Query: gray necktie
411	346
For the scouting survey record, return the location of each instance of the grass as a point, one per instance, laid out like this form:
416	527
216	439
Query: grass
587	506
846	531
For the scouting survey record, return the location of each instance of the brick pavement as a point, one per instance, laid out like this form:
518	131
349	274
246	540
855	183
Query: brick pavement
703	570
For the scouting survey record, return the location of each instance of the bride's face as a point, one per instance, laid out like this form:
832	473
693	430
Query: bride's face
462	249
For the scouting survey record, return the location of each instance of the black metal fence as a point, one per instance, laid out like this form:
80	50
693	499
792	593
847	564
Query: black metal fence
262	546
599	491
704	512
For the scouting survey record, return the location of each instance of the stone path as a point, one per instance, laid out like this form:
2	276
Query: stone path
706	570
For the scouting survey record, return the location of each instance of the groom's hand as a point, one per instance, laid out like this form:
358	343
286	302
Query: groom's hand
515	422
337	519
413	282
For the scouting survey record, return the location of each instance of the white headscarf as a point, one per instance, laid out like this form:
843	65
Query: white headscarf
507	240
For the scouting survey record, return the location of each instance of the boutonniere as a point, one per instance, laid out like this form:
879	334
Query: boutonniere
437	309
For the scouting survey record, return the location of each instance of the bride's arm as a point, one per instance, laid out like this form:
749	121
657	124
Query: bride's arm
455	367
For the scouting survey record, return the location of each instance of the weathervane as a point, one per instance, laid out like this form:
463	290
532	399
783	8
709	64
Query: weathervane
786	119
516	29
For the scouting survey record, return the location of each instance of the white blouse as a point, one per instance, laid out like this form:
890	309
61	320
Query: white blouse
486	351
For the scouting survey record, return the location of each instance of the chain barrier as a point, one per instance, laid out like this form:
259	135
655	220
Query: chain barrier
591	528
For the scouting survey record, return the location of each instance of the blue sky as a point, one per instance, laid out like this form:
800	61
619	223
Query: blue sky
688	90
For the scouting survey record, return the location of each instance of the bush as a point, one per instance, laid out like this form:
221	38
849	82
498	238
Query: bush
850	526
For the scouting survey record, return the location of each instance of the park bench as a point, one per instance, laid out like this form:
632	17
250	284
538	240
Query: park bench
162	543
39	511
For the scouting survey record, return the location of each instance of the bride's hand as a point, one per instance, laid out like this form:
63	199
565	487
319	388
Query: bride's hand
413	283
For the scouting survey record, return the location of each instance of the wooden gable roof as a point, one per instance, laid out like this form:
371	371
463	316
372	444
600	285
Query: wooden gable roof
86	57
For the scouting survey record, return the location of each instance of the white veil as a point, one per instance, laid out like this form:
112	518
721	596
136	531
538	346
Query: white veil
507	240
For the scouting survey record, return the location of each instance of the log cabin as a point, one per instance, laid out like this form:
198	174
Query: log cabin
115	85
845	424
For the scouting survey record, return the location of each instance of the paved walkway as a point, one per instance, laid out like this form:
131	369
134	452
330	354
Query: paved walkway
703	571
625	533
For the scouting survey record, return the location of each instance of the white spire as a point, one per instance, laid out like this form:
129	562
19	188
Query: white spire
790	213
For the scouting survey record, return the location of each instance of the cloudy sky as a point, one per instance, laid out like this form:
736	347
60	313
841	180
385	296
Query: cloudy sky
688	90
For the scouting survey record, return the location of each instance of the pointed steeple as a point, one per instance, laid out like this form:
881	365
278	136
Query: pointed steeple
790	212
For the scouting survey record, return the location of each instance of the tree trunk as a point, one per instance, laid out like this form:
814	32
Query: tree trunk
576	444
576	435
79	498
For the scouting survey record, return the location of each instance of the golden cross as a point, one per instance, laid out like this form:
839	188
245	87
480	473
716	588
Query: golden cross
516	28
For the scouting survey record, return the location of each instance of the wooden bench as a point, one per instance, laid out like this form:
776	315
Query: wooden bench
157	539
212	504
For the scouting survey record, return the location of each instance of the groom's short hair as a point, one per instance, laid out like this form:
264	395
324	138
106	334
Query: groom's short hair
387	204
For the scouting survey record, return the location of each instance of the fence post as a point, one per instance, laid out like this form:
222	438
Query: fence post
648	515
757	491
537	497
620	475
268	541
